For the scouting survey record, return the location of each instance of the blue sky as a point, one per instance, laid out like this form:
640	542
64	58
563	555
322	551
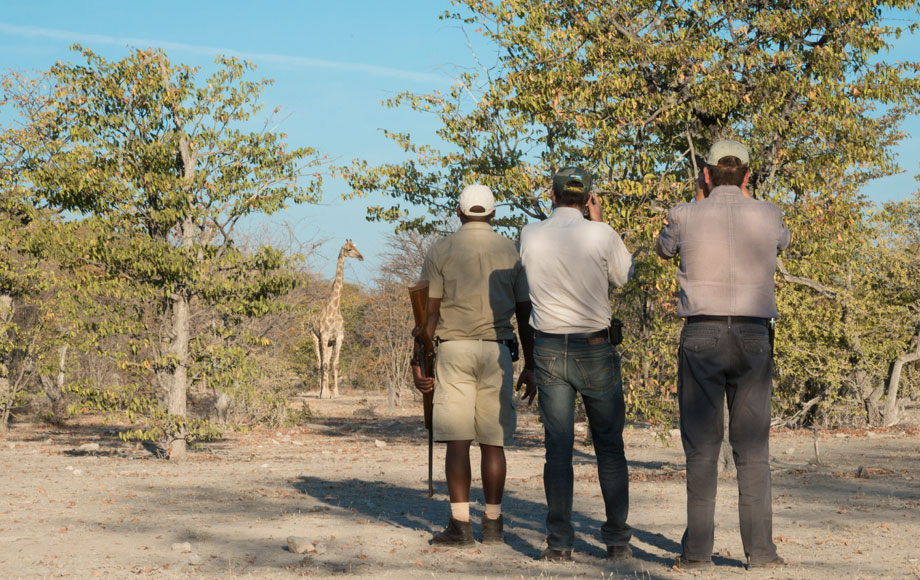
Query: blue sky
333	62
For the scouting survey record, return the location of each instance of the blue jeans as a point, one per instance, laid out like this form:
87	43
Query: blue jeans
565	367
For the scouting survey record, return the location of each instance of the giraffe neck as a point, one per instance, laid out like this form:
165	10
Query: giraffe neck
337	283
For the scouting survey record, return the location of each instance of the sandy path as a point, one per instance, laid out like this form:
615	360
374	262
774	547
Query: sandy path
356	487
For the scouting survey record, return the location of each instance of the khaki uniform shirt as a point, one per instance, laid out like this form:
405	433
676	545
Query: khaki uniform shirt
727	244
478	276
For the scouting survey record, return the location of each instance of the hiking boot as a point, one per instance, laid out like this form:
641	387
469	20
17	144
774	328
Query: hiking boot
684	563
619	553
456	533
492	530
552	555
774	563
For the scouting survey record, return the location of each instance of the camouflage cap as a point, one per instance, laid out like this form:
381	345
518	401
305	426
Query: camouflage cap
572	179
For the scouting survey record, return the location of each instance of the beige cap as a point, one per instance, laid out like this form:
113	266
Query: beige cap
473	195
727	148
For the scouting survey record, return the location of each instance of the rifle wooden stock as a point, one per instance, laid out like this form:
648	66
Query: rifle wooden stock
424	354
418	295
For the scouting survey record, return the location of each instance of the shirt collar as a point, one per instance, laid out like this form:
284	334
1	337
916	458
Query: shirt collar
721	190
567	214
476	226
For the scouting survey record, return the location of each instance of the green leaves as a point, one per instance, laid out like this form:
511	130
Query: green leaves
633	91
154	167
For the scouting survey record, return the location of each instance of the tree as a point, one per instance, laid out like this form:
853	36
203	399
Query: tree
22	224
161	167
635	91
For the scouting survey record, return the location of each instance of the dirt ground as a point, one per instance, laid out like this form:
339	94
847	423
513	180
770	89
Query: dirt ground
352	484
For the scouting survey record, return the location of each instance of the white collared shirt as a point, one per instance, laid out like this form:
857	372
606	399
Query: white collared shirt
571	263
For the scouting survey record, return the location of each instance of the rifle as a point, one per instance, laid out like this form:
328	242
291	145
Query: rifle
423	353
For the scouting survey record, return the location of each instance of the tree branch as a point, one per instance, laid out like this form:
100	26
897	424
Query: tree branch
817	286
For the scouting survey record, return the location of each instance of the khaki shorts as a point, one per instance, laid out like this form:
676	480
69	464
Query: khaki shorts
474	393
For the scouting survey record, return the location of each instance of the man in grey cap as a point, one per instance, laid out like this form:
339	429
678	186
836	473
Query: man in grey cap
476	284
728	243
571	264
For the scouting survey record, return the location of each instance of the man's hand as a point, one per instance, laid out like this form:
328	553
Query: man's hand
423	384
530	389
595	213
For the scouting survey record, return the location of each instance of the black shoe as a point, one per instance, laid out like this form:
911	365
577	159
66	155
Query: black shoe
684	563
456	533
493	530
774	563
619	553
552	555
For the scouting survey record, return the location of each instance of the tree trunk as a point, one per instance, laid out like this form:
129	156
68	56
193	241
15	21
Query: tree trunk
6	395
726	459
177	393
894	380
54	388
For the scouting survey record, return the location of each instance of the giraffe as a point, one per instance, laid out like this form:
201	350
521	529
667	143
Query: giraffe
329	328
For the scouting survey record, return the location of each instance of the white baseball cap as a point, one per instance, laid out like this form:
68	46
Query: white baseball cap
477	195
727	148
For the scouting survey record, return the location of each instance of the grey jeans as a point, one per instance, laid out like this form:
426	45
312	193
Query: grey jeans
720	360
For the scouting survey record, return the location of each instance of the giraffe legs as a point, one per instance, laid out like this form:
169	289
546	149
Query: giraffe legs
320	351
335	364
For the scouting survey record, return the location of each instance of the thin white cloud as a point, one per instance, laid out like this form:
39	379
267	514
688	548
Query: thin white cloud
211	51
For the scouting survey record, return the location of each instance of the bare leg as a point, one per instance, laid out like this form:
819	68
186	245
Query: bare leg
457	471
494	470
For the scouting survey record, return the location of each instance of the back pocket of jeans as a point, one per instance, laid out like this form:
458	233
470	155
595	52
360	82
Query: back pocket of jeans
545	366
756	345
700	339
597	371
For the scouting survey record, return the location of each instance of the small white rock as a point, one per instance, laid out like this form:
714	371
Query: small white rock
183	547
69	468
78	472
89	447
380	443
194	559
264	466
300	545
11	445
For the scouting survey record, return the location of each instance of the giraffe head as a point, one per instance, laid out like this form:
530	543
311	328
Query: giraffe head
350	251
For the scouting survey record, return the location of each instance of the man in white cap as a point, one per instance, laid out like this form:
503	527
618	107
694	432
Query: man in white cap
728	242
476	283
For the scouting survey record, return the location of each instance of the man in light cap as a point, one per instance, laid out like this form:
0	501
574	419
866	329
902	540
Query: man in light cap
572	263
476	283
728	243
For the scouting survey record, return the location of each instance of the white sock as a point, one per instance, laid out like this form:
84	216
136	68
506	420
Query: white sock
460	511
493	510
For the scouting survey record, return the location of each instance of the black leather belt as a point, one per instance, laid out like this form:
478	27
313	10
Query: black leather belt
727	319
573	335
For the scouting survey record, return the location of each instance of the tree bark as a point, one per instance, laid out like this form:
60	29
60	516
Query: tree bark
177	393
726	458
894	380
6	396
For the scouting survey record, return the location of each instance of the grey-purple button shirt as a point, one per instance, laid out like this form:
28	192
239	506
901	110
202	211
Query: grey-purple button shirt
728	244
